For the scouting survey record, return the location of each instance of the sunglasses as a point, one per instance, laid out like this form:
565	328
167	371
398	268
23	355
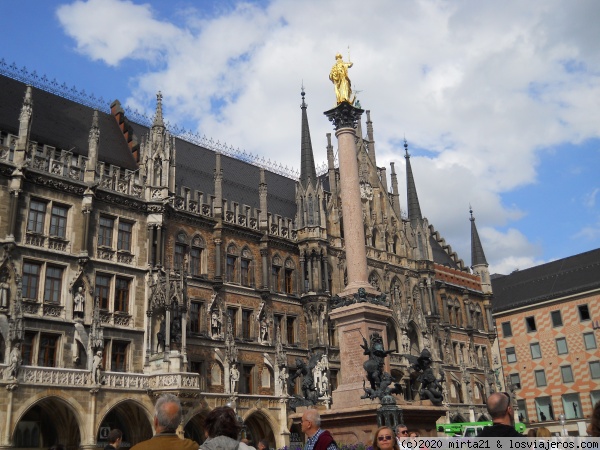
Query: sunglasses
387	437
403	432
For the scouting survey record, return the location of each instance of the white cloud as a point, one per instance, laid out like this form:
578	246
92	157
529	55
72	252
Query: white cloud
482	86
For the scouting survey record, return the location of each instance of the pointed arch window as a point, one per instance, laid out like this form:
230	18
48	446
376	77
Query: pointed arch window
231	264
276	273
289	276
198	256
246	268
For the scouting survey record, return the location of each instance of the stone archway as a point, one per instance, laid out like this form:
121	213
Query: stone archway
129	417
48	422
194	428
258	427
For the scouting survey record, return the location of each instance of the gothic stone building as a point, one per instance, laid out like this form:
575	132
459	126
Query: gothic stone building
137	260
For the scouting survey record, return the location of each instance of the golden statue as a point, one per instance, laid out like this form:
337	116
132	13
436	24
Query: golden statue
340	80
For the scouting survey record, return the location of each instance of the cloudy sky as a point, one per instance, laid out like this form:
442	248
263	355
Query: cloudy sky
499	101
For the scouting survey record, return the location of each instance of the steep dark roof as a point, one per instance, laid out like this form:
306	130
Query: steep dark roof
566	276
440	256
477	254
66	124
414	208
63	123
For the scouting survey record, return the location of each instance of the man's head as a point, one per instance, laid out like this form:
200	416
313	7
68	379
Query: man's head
401	431
311	422
500	408
167	414
115	436
263	444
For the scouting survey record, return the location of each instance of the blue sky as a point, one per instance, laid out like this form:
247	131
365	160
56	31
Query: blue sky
499	101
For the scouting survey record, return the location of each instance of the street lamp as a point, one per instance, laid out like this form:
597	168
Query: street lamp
562	421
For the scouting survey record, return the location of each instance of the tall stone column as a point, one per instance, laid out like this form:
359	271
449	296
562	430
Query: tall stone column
344	118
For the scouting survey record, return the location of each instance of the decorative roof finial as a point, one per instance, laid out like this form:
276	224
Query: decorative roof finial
158	117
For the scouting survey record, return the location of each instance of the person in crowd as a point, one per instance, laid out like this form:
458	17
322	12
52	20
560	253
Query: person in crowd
401	435
317	438
114	438
384	439
593	428
543	432
167	418
499	407
263	444
222	430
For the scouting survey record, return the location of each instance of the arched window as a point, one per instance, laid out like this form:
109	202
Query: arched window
289	276
276	273
231	264
198	263
246	268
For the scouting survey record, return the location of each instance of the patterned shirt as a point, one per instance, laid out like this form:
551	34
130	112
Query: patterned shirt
311	441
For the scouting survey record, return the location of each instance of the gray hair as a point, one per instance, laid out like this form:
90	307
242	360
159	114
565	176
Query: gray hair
400	425
165	418
314	416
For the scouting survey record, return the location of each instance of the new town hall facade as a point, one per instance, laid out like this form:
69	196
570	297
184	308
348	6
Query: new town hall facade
135	261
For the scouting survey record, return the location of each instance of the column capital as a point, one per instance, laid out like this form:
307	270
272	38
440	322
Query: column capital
344	116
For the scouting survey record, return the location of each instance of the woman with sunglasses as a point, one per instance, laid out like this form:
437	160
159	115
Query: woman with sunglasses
385	439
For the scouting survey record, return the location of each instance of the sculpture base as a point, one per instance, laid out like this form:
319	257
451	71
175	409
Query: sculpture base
354	286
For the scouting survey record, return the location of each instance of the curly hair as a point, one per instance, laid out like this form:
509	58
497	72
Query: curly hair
222	421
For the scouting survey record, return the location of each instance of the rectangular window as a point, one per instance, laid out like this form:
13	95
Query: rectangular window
58	221
178	257
230	274
275	270
522	411
118	362
52	285
595	369
102	290
291	332
47	350
195	261
122	295
561	346
536	351
584	313
530	324
506	329
27	347
105	231
31	280
246	380
195	317
246	320
511	356
199	367
124	234
35	219
245	272
556	317
543	407
289	281
277	322
540	378
333	379
572	406
232	313
589	339
567	374
515	380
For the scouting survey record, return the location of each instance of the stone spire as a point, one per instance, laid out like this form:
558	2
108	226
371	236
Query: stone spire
218	201
24	127
262	192
371	144
93	140
414	209
478	262
158	115
308	174
395	193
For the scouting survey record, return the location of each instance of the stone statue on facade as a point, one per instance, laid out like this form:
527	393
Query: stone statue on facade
4	291
14	363
78	302
97	368
215	323
234	377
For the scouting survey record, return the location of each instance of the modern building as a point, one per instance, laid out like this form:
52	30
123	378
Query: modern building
548	320
138	260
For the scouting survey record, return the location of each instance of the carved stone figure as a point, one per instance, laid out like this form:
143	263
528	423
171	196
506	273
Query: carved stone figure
283	379
4	292
341	81
78	302
14	363
97	368
234	377
215	324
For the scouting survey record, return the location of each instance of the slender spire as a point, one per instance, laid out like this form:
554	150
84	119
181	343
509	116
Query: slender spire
158	116
414	209
477	255
308	174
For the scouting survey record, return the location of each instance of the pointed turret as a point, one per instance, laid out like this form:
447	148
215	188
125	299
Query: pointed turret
371	144
262	192
158	115
93	140
414	209
218	201
478	262
24	128
308	174
395	193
